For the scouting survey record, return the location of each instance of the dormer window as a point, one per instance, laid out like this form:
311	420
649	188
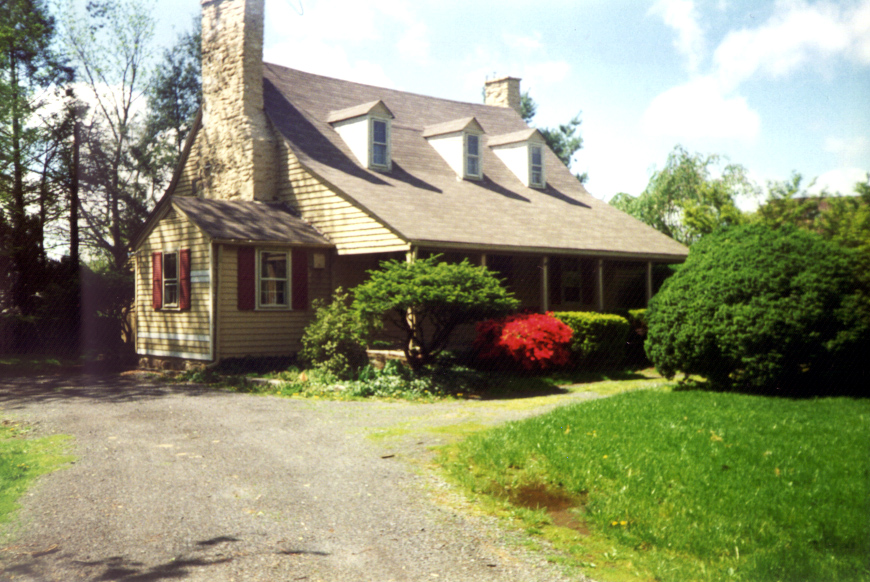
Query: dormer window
459	143
472	155
366	131
536	166
380	143
523	153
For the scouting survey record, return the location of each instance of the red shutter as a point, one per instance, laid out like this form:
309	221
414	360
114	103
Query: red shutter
247	287
184	279
156	280
300	279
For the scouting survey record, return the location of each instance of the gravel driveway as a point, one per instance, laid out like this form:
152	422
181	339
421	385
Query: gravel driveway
181	482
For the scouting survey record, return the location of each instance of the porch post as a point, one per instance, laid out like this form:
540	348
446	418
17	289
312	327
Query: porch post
545	284
411	255
600	284
649	281
482	259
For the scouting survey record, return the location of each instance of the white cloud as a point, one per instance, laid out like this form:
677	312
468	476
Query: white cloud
851	151
700	109
841	180
327	59
681	16
525	42
796	35
545	72
414	43
334	38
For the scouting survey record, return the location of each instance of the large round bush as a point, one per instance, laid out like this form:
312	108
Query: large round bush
761	309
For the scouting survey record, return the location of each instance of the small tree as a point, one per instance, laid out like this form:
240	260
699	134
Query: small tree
428	299
760	309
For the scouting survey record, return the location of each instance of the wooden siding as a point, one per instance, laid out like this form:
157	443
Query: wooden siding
266	332
168	331
185	184
347	226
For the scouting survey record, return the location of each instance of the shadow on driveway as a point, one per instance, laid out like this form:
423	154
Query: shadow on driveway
20	390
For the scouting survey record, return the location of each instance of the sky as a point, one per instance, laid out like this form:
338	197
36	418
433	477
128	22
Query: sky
775	86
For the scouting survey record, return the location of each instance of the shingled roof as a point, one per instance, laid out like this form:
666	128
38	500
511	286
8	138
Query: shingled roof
421	198
249	221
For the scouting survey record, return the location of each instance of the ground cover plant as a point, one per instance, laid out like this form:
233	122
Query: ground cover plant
22	460
689	485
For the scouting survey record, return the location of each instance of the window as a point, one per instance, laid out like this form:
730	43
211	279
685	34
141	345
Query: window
170	280
536	166
380	143
578	281
273	281
472	155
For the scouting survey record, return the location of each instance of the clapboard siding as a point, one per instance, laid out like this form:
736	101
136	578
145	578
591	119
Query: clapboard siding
272	332
185	184
348	227
170	330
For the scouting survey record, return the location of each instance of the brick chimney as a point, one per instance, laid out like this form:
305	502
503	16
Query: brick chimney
503	92
235	146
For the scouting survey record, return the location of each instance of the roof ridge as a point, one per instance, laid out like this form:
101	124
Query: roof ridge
402	91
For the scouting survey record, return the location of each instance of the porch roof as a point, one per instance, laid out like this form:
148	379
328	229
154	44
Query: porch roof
249	221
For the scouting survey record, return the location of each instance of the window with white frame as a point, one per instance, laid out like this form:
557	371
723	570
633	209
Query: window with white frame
536	165
380	143
472	155
170	279
272	280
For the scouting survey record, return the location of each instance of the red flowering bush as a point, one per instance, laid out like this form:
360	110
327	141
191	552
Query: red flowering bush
534	341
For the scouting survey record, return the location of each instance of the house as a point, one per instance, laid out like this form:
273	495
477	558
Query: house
292	184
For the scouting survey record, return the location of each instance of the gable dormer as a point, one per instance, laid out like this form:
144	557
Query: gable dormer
523	153
366	130
460	143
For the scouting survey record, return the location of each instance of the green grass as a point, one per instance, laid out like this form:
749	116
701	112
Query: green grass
22	460
689	485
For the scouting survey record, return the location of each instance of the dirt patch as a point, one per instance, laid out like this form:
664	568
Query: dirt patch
557	504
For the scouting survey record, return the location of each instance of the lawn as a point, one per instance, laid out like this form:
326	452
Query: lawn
24	459
692	485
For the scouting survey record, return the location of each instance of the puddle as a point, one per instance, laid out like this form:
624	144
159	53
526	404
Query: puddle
557	505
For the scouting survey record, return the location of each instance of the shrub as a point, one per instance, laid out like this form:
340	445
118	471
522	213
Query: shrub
759	309
598	341
335	341
428	299
532	341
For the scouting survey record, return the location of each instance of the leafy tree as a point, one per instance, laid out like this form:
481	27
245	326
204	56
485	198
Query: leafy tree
427	299
755	308
564	140
847	220
844	220
29	71
684	200
789	202
110	48
528	107
174	97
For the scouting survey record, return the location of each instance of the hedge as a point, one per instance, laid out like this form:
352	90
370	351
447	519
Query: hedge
599	338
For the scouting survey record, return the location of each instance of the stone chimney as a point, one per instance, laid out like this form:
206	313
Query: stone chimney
503	92
235	146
